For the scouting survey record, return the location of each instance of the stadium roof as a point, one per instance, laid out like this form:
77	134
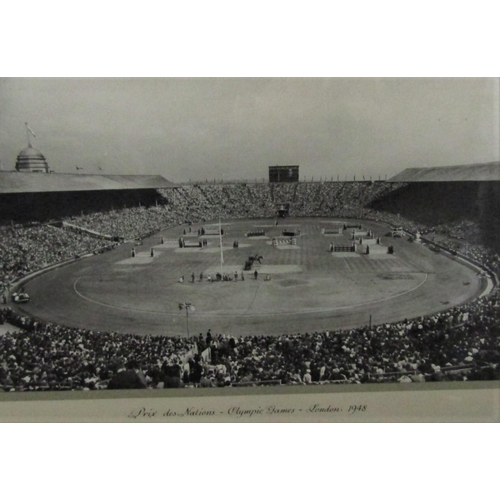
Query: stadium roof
471	173
29	182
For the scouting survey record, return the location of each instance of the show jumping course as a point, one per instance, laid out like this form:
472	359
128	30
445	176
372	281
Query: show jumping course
308	289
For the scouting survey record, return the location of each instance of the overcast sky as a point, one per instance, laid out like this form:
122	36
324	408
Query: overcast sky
235	128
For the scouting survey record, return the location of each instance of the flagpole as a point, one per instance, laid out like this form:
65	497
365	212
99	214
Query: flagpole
221	250
28	134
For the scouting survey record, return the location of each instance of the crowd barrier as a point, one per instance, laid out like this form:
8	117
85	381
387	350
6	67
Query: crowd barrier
15	285
79	229
468	260
249	383
443	369
260	232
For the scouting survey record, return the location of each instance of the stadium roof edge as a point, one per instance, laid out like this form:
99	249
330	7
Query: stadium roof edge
31	182
477	172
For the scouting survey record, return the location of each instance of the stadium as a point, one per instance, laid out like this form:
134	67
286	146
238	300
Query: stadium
133	281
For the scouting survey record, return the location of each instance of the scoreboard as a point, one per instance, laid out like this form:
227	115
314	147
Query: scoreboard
286	173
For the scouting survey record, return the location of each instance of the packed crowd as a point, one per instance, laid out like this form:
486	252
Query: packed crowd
462	238
128	223
337	199
463	342
466	231
24	249
204	202
460	344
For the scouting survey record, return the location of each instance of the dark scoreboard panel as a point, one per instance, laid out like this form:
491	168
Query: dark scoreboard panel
286	173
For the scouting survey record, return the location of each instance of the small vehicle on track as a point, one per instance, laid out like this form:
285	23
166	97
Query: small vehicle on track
20	298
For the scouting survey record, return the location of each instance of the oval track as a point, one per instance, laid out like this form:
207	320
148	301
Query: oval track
310	289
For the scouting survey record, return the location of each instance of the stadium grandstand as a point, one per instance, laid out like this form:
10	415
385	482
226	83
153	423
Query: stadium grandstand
26	197
479	172
49	218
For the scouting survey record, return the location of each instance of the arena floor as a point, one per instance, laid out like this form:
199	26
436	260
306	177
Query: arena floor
309	289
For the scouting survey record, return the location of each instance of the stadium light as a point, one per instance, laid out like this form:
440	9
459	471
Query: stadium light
188	307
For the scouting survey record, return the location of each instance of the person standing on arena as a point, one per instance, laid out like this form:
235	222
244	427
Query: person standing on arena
255	274
235	275
192	277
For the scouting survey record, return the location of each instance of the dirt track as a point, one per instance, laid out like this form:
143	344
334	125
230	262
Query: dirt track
310	289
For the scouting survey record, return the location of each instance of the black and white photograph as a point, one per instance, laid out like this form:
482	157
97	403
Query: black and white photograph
248	236
232	213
